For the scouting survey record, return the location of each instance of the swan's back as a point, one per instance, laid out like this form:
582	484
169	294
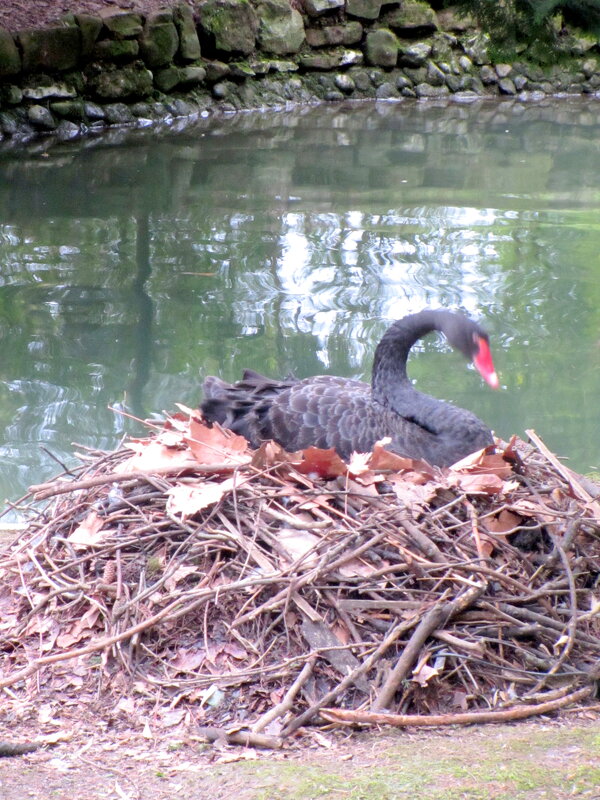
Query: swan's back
349	415
327	411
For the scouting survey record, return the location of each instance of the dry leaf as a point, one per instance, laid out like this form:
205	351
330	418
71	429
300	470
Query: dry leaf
476	483
216	445
89	533
298	543
185	500
321	463
503	523
423	673
151	455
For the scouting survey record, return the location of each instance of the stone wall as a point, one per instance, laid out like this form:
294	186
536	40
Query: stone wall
210	55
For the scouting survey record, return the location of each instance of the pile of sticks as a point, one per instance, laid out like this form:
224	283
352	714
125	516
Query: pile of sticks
264	591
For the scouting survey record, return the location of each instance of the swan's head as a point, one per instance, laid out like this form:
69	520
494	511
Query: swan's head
470	338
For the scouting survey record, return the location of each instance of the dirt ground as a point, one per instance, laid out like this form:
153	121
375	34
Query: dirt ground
528	761
18	14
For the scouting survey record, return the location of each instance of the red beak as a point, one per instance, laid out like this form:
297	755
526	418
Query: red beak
484	363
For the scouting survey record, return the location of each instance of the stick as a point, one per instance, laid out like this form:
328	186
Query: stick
435	618
396	631
43	491
245	738
468	718
288	698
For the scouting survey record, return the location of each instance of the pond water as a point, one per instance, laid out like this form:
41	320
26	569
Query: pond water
133	265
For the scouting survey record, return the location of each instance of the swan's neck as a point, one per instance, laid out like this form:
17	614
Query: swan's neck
390	383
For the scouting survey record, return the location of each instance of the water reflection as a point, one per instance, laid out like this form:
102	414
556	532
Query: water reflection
287	242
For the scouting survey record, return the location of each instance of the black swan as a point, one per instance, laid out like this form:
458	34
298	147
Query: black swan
350	415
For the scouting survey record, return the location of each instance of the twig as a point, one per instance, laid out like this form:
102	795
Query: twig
286	703
435	617
467	718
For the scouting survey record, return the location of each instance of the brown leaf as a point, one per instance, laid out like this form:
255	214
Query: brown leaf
483	462
410	493
185	500
475	483
89	532
269	454
503	523
187	660
216	445
298	543
151	454
384	459
321	463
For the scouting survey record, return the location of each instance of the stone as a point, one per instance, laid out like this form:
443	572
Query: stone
415	55
53	49
233	24
330	60
125	25
8	123
506	86
344	83
381	48
589	67
124	83
118	114
503	70
10	94
167	79
281	27
465	63
10	58
425	90
435	76
41	117
158	43
488	75
90	28
416	74
93	111
362	81
223	89
189	44
331	35
520	82
453	82
216	70
365	9
66	130
314	8
70	109
450	19
116	50
465	97
476	47
239	69
386	91
412	17
51	90
402	82
191	76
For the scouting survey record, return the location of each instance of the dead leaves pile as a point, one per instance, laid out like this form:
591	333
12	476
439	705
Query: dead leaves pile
218	585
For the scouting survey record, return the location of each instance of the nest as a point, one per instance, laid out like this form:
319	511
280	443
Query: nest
258	591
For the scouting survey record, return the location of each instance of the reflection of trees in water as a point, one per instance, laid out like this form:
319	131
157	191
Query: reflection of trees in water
286	243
